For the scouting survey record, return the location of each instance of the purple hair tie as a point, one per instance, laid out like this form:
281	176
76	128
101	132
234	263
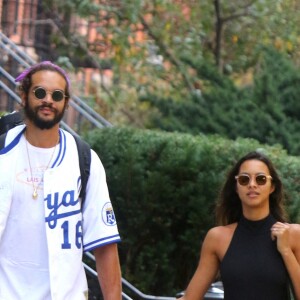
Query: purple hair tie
37	66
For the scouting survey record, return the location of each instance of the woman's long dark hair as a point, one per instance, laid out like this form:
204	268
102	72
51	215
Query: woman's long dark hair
229	207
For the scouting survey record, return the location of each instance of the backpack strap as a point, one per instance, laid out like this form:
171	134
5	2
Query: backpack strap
2	140
10	120
84	153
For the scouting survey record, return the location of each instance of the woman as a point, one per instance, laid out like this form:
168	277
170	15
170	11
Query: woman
255	250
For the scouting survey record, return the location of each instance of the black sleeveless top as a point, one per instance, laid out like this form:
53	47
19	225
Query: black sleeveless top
252	268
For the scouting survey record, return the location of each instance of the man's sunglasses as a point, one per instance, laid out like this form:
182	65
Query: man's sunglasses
57	95
260	179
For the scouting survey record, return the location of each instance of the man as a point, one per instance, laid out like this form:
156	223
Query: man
43	228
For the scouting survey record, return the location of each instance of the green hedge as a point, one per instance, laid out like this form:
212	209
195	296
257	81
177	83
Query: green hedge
163	187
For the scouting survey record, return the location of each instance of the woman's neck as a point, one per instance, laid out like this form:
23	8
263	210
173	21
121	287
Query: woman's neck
255	214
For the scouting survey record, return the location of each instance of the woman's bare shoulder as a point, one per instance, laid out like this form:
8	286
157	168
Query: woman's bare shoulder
219	238
295	229
221	232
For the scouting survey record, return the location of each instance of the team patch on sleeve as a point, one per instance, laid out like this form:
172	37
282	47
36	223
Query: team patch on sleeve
108	215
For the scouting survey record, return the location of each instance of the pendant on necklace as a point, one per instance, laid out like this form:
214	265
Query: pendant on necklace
34	194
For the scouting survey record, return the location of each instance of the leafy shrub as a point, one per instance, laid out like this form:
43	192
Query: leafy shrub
163	187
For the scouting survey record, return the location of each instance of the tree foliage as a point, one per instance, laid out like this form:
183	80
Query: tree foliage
146	44
266	111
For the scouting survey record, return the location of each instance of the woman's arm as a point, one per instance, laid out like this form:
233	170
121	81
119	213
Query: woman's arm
207	268
288	244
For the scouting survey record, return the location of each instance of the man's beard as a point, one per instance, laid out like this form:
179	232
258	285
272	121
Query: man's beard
32	115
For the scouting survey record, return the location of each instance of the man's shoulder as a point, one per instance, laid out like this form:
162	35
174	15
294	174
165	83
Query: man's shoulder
11	138
73	137
13	132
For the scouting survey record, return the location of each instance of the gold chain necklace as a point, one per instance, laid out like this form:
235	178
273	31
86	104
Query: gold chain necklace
35	188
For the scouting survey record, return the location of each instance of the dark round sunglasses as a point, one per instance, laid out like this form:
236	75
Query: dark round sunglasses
260	179
40	93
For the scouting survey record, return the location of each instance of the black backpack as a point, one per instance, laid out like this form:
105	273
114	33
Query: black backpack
84	152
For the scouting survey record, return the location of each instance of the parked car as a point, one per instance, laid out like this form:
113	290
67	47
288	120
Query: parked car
215	291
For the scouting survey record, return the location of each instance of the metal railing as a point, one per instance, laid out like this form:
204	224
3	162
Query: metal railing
90	115
128	286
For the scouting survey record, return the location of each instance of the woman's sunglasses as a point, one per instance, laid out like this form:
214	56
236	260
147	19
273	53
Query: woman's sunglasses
40	93
260	179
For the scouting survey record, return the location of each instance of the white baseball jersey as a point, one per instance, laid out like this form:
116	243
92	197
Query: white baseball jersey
42	240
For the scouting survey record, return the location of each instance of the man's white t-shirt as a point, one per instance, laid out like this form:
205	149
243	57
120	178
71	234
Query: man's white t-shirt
24	244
